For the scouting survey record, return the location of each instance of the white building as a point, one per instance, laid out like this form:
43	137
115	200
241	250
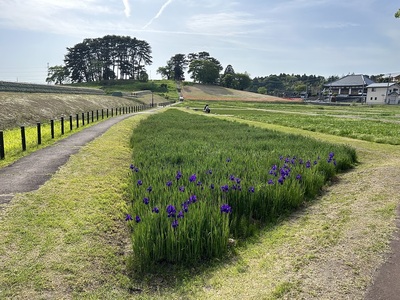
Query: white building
383	93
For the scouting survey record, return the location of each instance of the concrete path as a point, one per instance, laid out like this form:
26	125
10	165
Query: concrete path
33	170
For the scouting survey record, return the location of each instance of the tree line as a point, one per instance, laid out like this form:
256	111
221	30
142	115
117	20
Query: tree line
122	57
107	58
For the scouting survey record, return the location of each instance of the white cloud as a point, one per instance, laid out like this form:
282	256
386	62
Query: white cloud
224	23
158	14
127	6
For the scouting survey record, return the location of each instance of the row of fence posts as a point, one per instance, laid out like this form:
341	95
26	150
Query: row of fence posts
88	116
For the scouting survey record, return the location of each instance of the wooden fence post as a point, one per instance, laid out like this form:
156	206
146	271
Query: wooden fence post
77	120
23	138
52	128
83	119
2	151
70	122
39	134
62	125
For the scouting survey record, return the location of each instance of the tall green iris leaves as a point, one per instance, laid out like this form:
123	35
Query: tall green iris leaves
205	180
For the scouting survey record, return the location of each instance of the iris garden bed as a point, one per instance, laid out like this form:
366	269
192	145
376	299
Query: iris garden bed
198	183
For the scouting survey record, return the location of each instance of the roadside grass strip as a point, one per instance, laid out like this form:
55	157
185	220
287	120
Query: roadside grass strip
199	184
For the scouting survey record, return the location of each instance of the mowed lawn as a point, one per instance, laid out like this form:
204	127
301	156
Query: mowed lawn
69	239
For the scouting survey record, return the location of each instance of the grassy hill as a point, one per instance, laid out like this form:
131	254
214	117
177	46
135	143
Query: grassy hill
27	108
23	109
213	93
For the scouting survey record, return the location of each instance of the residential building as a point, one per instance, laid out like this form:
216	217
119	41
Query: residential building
348	88
383	93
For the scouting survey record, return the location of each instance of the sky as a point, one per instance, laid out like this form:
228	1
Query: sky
260	37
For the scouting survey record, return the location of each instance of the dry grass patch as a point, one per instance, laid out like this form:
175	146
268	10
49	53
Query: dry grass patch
212	93
21	109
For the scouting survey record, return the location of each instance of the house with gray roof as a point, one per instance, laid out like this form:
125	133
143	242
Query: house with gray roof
383	93
349	88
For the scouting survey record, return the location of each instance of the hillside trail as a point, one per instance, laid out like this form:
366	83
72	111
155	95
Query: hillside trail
30	172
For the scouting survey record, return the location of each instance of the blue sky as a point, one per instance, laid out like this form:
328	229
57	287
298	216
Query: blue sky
260	37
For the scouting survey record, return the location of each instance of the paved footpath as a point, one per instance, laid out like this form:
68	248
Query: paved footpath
33	170
386	285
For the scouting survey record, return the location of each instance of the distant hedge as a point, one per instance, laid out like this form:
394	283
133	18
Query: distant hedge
43	88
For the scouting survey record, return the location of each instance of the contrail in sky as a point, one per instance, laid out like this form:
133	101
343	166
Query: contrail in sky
159	13
127	10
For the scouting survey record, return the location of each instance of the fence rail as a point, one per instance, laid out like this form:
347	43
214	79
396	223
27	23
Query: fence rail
85	119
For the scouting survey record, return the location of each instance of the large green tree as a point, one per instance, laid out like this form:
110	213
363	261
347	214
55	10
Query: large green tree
397	14
204	68
58	75
175	67
107	58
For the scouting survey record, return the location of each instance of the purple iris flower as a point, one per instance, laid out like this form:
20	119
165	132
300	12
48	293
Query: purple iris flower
238	180
138	219
180	215
251	189
231	178
149	189
155	210
178	175
146	200
298	177
193	199
199	183
209	172
171	211
270	181
228	160
308	164
192	178
281	180
139	182
169	183
128	217
185	207
212	186
225	188
182	189
175	224
225	208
